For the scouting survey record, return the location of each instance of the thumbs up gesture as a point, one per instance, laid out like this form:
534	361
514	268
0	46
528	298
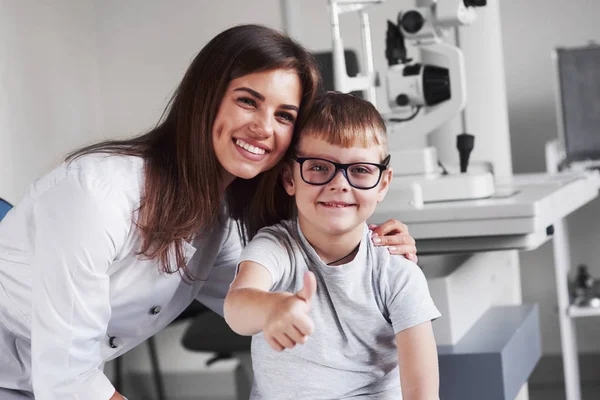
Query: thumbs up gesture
309	289
289	323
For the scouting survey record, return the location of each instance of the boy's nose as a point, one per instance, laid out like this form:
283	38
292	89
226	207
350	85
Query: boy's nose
339	182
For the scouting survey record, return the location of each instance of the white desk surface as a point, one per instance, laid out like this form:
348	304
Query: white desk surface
519	221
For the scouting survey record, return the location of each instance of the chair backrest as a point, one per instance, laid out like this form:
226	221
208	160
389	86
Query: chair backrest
4	207
577	95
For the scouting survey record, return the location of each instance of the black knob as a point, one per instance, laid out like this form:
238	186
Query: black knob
155	310
584	280
395	51
464	144
402	100
475	3
412	21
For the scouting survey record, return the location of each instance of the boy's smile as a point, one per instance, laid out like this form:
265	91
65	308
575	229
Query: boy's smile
338	206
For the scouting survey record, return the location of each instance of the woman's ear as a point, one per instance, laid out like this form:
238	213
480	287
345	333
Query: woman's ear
287	176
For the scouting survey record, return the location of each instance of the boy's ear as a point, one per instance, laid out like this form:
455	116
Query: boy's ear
384	185
287	176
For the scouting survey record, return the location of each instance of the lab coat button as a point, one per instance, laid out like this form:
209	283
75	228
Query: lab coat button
155	310
112	342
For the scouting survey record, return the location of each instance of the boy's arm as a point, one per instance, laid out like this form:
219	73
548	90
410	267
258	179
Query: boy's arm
283	317
418	362
249	302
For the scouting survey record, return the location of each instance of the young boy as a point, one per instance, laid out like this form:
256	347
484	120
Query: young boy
362	315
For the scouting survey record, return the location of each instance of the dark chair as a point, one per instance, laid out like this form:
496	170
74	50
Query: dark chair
193	310
5	206
210	333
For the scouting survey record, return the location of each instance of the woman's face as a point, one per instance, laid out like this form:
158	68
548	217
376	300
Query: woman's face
255	122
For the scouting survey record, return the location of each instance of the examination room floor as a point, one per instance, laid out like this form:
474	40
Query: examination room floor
588	392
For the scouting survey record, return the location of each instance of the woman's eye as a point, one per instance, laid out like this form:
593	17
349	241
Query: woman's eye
247	101
287	117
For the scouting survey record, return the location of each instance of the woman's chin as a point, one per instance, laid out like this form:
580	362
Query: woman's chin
244	171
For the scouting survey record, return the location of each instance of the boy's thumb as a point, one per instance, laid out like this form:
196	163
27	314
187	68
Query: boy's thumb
310	287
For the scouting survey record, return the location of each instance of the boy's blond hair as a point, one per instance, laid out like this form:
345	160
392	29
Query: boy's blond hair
345	120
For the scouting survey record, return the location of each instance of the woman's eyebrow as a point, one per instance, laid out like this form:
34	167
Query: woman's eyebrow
289	107
251	91
262	98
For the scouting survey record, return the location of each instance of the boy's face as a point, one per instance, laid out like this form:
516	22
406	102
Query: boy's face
335	207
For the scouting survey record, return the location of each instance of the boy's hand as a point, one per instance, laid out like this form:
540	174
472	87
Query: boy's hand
289	322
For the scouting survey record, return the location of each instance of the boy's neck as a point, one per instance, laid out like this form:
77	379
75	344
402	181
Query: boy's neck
332	249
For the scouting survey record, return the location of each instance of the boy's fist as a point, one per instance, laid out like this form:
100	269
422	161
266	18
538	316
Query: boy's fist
289	322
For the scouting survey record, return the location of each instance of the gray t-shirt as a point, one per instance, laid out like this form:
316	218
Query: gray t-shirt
357	310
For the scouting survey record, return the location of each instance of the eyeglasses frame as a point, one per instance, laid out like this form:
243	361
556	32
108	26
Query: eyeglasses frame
344	168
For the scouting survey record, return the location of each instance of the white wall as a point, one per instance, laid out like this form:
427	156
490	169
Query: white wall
73	72
146	46
531	30
48	91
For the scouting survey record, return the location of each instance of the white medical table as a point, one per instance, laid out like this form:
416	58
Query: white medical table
520	217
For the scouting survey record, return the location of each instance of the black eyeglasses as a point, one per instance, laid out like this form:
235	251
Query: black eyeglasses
360	175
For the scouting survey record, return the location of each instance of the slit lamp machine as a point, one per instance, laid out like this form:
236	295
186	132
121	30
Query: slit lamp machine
422	95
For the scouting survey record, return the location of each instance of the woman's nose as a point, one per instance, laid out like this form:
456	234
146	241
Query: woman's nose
262	126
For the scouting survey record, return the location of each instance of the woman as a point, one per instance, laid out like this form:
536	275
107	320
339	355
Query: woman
107	249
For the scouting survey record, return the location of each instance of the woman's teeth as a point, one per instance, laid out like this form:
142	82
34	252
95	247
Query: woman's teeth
249	147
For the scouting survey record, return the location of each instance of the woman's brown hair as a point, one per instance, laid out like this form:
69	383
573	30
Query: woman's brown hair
181	198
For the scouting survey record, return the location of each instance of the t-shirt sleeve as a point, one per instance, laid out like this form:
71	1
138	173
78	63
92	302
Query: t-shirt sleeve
407	297
273	249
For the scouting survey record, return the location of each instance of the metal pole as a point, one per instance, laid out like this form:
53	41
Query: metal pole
368	57
568	339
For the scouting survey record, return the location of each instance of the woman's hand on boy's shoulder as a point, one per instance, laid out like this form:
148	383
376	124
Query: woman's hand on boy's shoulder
394	235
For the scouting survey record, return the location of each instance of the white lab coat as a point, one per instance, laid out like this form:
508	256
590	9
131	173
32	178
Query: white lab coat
73	291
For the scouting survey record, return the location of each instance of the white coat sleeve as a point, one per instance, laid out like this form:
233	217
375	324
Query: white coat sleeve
213	292
80	223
